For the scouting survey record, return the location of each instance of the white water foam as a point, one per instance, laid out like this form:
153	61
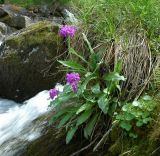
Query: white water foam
16	125
1	43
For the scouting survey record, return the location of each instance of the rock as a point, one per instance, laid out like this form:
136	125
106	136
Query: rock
3	31
15	16
52	143
3	28
26	62
16	21
69	17
1	36
2	12
19	17
13	9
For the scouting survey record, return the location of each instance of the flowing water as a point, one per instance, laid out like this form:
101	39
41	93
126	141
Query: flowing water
16	122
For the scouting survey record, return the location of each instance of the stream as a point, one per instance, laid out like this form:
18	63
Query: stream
17	122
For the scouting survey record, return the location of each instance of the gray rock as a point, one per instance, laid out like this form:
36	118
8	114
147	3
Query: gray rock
16	21
27	61
3	28
3	12
70	17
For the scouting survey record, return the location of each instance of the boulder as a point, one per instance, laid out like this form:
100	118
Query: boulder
27	61
16	21
3	28
3	12
14	16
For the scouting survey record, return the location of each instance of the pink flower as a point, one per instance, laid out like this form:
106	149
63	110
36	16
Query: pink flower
67	30
53	93
74	87
73	79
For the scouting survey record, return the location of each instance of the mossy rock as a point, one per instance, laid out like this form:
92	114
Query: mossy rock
28	59
118	143
52	143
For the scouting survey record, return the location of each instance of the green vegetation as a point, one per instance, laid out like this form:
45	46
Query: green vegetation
115	51
105	20
116	72
136	114
97	96
97	105
36	2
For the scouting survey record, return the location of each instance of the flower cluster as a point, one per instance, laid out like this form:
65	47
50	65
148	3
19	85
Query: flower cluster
53	93
73	79
67	30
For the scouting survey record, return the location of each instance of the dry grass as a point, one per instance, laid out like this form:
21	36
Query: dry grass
138	63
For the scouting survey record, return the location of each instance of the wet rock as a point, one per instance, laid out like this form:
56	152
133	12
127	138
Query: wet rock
26	61
3	28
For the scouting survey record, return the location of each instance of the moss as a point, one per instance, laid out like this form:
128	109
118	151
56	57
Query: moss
52	143
39	33
28	61
115	148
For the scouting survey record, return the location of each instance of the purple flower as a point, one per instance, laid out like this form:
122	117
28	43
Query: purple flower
74	87
67	30
53	93
73	79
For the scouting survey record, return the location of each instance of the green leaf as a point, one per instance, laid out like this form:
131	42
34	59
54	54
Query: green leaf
106	91
118	87
72	51
125	108
147	98
114	76
136	103
146	120
90	125
129	116
118	66
89	97
96	89
133	135
63	97
89	78
85	106
139	123
70	134
93	61
84	117
88	43
125	125
103	104
56	116
112	108
65	119
88	74
73	65
145	115
120	117
67	89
